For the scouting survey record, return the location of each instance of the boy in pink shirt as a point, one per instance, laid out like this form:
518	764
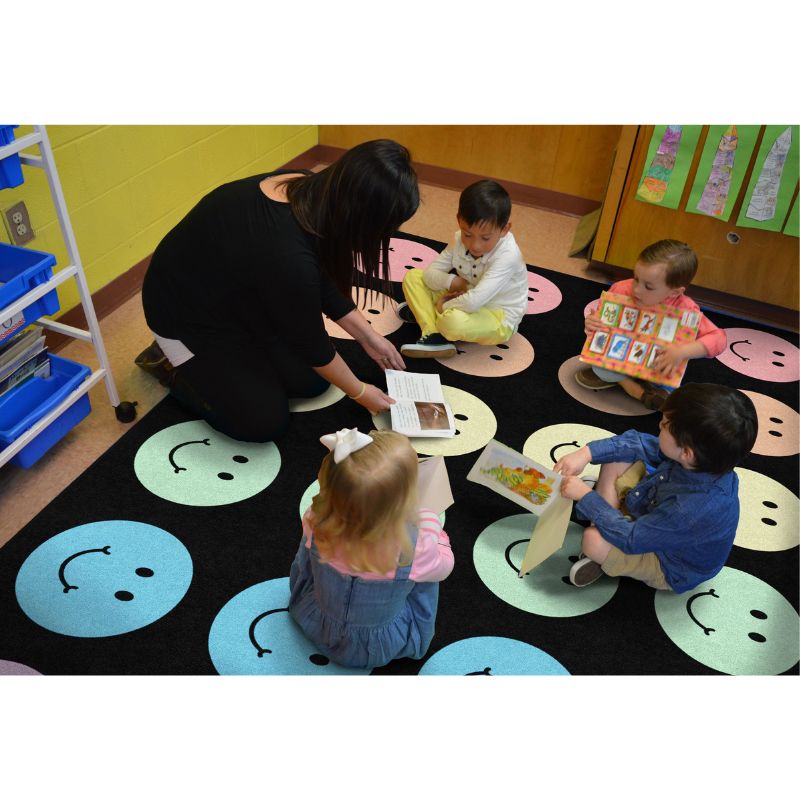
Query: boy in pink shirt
662	273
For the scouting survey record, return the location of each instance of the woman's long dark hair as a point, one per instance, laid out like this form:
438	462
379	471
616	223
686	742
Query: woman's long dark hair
354	206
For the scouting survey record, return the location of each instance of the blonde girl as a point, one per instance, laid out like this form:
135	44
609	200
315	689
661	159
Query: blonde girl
365	581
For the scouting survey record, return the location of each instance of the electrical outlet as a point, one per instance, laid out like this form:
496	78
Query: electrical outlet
18	223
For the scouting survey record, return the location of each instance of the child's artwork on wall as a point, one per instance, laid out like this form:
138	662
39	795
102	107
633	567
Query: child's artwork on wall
633	350
721	170
773	180
669	157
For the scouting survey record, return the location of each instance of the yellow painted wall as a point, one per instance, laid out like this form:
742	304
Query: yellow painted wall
126	185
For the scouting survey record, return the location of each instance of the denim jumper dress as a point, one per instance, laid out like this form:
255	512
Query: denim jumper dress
361	623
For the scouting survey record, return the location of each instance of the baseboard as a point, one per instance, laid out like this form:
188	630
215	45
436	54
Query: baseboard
125	286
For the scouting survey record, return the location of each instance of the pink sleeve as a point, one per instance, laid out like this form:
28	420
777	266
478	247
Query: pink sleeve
711	337
433	558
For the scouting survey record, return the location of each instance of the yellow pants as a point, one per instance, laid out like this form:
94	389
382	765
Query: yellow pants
484	326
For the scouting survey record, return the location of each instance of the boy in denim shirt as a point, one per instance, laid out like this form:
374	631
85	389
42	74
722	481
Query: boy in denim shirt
665	509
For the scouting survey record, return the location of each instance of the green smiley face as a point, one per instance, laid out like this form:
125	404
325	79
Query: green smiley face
734	623
194	465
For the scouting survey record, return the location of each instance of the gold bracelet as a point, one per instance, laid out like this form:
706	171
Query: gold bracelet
360	394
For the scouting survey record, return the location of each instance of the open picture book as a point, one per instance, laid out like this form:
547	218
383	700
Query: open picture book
420	409
532	486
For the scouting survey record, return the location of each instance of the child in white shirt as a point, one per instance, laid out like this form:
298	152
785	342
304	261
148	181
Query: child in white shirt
486	298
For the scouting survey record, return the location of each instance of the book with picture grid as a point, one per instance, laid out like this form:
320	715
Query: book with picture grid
636	335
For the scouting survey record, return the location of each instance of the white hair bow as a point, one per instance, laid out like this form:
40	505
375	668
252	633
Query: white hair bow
345	441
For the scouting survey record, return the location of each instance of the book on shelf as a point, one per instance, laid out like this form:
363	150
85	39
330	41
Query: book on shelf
37	366
20	349
17	341
420	408
636	335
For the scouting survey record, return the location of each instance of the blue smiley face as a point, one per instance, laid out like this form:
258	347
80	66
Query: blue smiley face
253	634
104	578
491	655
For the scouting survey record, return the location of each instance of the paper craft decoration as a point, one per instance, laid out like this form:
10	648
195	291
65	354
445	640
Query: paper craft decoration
721	170
668	159
532	486
420	409
773	181
637	335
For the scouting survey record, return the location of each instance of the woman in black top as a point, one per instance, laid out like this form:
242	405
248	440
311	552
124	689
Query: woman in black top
235	292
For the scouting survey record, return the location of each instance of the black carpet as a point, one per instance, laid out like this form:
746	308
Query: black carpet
237	546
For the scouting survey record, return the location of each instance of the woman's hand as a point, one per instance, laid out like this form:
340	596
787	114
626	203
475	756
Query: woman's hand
381	351
375	399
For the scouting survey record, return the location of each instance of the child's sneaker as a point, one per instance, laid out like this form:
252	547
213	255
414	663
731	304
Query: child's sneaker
434	345
585	571
405	313
589	380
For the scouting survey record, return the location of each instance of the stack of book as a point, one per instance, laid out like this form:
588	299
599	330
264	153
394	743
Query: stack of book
23	357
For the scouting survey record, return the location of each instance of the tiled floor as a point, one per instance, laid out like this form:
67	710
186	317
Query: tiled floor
544	238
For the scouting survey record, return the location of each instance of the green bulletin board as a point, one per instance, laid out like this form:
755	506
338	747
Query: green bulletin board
792	227
721	170
773	180
669	157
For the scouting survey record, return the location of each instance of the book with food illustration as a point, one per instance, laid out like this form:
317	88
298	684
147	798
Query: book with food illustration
636	335
516	477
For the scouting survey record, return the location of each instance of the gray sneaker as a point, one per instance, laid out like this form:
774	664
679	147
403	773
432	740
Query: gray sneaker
434	345
584	572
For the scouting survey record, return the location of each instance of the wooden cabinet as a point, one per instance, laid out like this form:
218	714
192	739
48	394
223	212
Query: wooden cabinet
760	265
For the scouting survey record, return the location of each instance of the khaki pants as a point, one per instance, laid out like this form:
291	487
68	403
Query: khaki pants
643	567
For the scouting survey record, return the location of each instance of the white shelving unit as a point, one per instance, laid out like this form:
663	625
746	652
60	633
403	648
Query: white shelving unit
125	411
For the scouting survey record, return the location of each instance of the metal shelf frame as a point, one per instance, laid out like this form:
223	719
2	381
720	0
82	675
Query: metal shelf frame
38	138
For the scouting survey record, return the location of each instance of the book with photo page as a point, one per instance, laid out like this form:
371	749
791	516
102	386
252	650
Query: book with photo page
420	408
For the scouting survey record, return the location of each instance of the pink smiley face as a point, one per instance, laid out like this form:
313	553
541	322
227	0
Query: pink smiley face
761	355
543	294
405	255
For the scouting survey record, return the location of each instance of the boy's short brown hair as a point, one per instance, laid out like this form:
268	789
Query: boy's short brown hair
677	257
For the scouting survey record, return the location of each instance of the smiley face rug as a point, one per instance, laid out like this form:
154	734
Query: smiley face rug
170	554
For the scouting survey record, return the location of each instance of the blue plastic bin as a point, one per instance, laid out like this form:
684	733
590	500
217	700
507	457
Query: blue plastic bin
26	404
21	269
10	167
